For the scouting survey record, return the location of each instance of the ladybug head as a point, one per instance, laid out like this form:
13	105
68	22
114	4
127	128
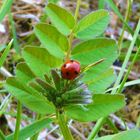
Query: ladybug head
70	69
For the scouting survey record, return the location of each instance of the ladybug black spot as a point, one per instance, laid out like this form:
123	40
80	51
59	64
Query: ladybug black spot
76	72
64	65
67	73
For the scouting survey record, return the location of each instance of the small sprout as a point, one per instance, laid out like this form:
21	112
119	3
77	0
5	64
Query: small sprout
69	92
92	65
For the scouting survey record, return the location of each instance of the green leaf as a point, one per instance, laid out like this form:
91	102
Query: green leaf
37	87
92	49
53	1
31	129
56	79
24	73
39	60
133	134
54	41
103	105
32	99
5	8
5	53
92	25
2	136
101	76
44	84
102	82
61	18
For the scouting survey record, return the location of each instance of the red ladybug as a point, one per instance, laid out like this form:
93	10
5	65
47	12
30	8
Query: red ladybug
70	69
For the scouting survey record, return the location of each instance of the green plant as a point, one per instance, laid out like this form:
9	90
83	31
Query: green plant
5	8
38	83
5	53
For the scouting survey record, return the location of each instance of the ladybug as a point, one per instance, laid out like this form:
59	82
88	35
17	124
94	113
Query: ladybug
70	69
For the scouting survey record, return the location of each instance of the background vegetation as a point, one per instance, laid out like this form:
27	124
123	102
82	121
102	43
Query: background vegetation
17	21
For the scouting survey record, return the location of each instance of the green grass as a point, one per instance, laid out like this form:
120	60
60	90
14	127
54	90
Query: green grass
5	8
101	121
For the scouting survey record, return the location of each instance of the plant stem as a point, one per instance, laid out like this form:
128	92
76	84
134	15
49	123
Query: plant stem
129	4
71	34
127	57
129	70
96	129
77	9
18	120
138	122
101	121
35	136
63	125
70	46
101	4
112	125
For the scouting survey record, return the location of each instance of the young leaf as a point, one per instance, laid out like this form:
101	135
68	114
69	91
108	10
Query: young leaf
92	25
56	79
46	86
37	87
92	65
48	80
28	96
133	134
39	60
24	73
61	18
31	129
52	40
103	105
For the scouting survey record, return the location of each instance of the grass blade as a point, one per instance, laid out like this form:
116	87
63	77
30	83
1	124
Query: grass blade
2	137
129	69
18	120
128	55
101	4
5	53
100	122
116	10
127	84
5	8
14	34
